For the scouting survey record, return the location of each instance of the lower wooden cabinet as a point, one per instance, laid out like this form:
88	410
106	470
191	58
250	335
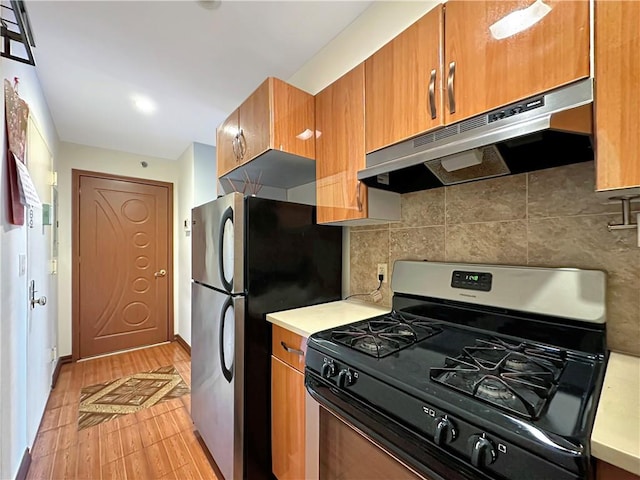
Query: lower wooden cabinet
287	421
606	471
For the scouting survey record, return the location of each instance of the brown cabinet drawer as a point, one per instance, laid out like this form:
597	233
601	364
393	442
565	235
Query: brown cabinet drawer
289	347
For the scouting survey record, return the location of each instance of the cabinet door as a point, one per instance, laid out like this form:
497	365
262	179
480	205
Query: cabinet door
488	65
403	84
293	120
617	63
288	347
287	421
226	158
255	123
606	471
340	149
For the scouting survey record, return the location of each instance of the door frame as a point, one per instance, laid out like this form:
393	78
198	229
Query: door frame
75	252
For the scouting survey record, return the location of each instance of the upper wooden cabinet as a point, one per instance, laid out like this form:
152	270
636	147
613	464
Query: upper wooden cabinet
477	66
404	84
487	67
617	94
276	117
340	153
227	145
340	149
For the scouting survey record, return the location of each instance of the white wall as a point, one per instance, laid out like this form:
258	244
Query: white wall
183	246
205	185
80	157
13	298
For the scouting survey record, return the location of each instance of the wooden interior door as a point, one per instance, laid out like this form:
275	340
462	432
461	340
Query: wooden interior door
340	149
122	263
404	84
491	70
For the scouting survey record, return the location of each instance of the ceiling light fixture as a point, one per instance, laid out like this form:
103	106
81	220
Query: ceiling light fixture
519	20
144	104
209	4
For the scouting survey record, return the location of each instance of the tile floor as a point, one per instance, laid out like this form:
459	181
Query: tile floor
154	443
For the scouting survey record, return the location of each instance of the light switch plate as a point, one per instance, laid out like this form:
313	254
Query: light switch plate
22	264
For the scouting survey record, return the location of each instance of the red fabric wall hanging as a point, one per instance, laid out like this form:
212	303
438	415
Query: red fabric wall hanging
16	116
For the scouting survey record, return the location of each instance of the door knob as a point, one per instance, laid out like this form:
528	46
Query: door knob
161	273
42	301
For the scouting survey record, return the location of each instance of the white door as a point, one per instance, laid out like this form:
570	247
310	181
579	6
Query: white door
41	324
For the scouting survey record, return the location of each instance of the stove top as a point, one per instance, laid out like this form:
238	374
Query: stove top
499	389
384	335
519	378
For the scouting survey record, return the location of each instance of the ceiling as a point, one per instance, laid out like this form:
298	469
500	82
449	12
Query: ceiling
196	65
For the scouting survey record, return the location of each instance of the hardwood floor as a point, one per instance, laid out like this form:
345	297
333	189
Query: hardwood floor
154	443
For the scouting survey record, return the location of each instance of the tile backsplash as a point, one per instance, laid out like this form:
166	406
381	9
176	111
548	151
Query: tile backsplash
548	218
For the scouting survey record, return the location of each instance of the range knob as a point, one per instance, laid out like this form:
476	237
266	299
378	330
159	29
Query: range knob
346	378
328	369
483	452
445	432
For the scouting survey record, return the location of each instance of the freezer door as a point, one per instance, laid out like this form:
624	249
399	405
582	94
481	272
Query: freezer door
217	376
217	240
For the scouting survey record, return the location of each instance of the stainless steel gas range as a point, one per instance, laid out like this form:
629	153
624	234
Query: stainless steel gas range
489	372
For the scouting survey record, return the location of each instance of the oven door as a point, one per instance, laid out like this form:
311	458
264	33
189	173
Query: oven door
343	448
379	434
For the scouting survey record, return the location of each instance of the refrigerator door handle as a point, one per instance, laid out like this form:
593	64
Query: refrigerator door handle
224	331
227	216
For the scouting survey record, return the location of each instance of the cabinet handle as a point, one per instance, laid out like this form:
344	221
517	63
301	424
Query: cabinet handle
235	142
358	197
450	80
243	143
292	350
432	94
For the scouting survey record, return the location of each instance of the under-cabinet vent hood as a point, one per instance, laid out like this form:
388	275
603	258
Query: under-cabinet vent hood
544	131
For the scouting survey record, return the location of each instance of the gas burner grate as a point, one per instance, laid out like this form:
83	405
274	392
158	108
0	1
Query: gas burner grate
382	336
519	378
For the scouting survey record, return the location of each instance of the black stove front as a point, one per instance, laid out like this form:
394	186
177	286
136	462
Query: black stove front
488	405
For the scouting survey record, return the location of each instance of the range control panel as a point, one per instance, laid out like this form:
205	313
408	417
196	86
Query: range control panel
471	280
516	109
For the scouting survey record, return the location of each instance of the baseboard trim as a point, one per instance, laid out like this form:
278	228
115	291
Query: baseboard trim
207	454
56	371
181	341
24	465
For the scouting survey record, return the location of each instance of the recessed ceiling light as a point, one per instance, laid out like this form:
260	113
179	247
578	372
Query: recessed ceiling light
144	104
209	4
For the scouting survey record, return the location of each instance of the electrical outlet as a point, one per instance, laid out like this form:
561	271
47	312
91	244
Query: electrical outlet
382	270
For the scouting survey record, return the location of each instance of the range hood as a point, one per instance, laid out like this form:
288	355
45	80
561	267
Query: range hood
540	132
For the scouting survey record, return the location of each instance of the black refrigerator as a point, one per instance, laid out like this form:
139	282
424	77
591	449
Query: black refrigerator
250	256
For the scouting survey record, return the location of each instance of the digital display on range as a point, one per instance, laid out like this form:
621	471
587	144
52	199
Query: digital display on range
472	280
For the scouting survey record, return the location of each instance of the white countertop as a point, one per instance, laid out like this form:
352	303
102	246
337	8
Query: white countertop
307	320
616	433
